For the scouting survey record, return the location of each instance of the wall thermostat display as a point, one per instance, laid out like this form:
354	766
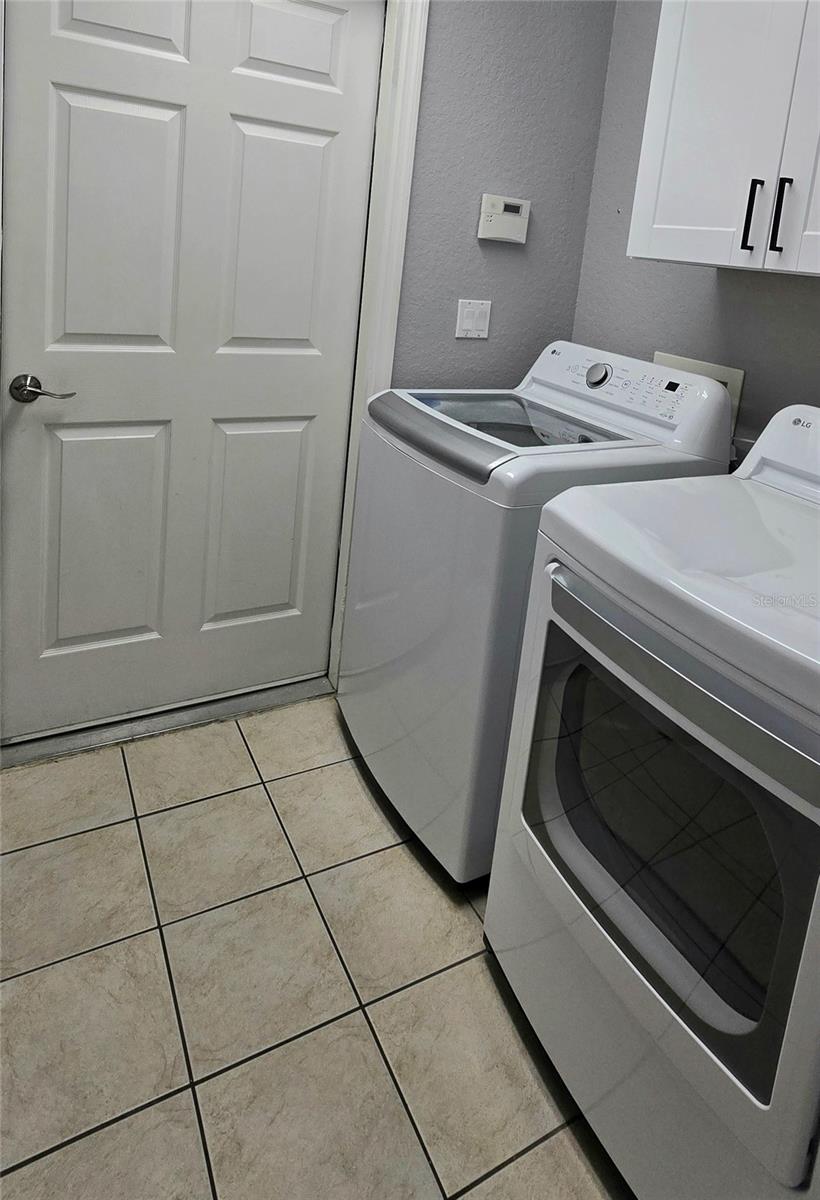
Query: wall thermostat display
503	218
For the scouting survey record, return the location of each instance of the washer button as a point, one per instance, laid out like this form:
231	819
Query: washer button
598	374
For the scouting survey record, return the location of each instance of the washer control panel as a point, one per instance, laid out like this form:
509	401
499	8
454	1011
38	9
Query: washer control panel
690	413
654	392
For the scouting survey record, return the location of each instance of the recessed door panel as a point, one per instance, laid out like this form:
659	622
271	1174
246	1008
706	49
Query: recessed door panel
292	40
107	509
155	26
114	220
256	520
277	214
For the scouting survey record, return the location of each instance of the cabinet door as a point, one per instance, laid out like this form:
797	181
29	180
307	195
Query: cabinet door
715	121
796	227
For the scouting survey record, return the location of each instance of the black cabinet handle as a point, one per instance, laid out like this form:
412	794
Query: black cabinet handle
750	209
782	184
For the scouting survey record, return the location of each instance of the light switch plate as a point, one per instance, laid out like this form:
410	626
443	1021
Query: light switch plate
731	377
473	319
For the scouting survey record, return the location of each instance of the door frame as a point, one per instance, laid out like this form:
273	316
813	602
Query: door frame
397	108
394	147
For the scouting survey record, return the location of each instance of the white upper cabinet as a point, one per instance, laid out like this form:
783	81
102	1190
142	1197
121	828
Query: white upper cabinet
728	168
798	229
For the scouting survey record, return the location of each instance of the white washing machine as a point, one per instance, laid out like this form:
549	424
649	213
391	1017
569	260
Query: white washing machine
449	492
654	891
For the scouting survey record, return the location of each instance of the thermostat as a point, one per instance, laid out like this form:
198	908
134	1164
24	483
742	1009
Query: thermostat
503	218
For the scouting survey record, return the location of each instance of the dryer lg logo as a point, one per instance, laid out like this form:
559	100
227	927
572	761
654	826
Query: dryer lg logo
804	424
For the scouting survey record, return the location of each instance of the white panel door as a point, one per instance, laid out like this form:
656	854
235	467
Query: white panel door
185	194
797	230
717	109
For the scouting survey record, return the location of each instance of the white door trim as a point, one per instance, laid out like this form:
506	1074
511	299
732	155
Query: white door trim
397	113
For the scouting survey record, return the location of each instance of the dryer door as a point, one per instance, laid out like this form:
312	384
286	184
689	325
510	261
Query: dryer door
702	877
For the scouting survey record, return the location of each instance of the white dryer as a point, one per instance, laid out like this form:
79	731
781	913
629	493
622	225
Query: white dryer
654	891
449	492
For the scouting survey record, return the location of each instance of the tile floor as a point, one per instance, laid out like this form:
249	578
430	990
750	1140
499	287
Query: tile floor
228	972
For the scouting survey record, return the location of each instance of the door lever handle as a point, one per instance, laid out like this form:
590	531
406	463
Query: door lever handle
25	388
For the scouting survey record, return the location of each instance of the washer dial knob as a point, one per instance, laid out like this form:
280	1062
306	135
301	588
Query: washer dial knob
598	374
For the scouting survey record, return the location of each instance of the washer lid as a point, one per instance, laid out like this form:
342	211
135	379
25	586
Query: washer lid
514	419
730	562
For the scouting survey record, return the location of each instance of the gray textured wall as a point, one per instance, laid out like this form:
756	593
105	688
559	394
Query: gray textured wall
511	103
768	324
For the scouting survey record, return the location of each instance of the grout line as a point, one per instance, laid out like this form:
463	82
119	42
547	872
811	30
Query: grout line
294	1037
334	762
403	987
354	989
405	1103
155	812
272	887
79	1137
465	1191
61	837
174	998
78	954
305	878
291	846
356	858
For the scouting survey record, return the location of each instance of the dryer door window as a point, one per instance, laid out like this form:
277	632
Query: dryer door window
703	879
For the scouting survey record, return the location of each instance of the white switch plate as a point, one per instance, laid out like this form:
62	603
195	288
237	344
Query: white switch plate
473	318
731	377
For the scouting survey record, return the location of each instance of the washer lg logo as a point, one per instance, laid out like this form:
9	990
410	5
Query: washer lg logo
801	422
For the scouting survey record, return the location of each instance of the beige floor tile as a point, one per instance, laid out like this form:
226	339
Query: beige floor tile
253	973
154	1155
297	737
318	1118
51	799
187	765
83	1041
471	1086
72	894
331	815
393	922
559	1169
214	851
